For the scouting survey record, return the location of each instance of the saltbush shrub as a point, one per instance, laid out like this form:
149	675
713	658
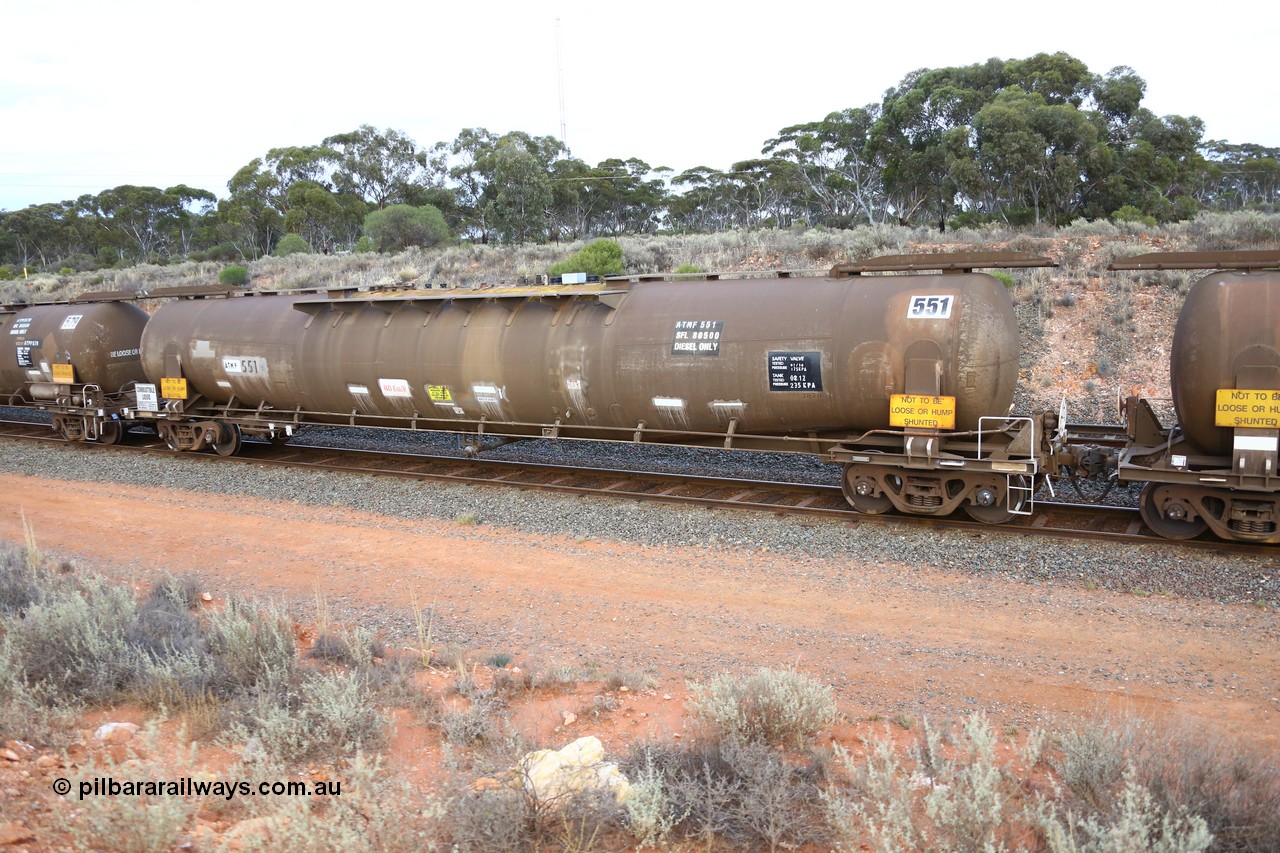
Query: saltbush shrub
771	706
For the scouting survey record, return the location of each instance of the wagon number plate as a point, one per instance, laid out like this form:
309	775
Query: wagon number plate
245	365
930	307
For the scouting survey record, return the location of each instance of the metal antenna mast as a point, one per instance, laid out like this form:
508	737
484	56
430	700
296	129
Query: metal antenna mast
560	79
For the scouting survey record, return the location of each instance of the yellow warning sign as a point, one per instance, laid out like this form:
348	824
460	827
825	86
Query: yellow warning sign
439	393
64	373
921	412
1247	409
173	389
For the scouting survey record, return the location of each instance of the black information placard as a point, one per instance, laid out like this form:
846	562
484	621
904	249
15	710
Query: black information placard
24	357
795	371
697	337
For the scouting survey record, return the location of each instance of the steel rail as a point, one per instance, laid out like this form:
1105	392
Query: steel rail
1057	520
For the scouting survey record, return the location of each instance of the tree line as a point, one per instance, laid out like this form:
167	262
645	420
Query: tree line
1025	141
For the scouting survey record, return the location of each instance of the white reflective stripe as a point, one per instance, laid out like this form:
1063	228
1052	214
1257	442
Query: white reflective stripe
668	402
1256	442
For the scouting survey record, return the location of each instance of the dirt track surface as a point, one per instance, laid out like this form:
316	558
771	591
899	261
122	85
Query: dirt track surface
890	638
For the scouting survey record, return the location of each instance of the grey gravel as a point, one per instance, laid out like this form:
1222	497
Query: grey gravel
1162	569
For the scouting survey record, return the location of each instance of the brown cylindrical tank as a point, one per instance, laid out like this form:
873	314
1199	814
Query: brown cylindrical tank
1227	336
101	340
784	355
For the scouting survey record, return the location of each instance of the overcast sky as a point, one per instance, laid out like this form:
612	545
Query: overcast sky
97	94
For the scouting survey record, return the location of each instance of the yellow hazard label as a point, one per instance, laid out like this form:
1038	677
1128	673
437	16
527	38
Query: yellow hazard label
173	389
64	373
921	412
1247	409
439	393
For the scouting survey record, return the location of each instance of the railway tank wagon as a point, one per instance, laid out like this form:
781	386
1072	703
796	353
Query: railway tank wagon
77	360
1216	468
806	364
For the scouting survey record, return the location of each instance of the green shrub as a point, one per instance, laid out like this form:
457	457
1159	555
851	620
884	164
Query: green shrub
396	228
772	706
689	269
223	252
234	275
1129	213
8	272
292	244
365	244
600	257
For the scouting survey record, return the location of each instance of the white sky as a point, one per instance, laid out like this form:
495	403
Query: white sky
98	94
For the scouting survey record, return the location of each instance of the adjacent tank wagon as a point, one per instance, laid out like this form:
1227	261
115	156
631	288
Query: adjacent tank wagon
1217	467
79	360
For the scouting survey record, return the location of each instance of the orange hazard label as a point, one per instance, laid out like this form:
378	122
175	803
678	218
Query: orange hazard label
64	373
1247	409
922	412
173	389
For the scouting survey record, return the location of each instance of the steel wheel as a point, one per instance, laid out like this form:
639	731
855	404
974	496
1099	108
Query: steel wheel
1000	512
169	436
1163	517
228	441
110	432
870	505
859	492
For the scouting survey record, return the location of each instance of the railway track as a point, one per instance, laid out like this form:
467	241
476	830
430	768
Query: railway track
1059	520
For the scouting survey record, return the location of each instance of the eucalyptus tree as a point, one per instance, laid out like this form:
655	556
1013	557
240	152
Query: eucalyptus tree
36	233
502	183
704	200
1032	155
381	167
315	214
1240	176
631	197
152	220
521	196
833	159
